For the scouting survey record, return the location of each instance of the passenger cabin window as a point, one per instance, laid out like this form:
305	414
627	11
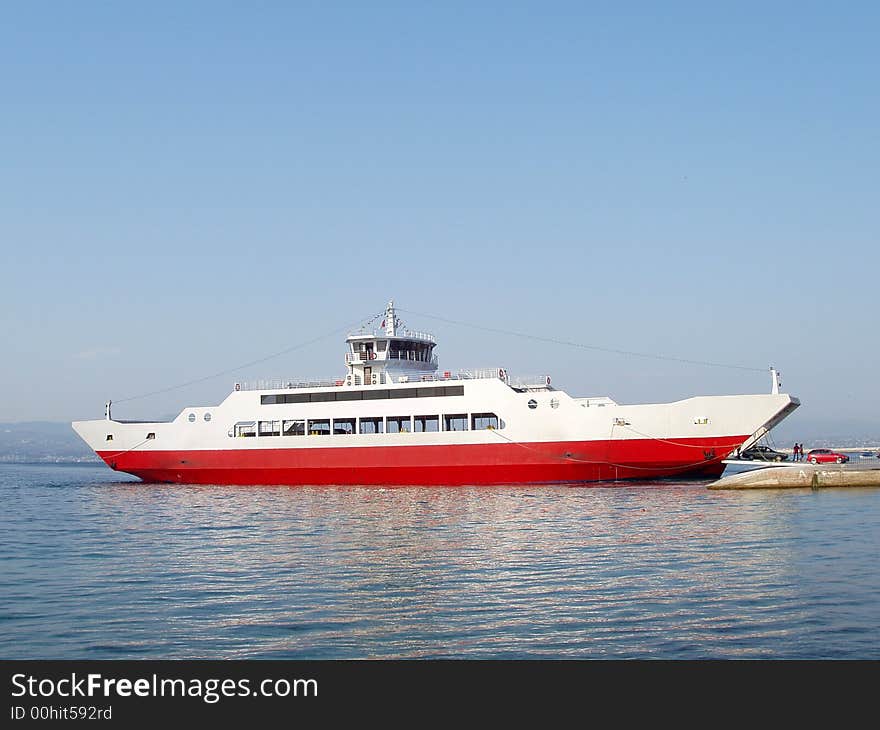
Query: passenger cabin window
244	429
270	428
482	421
372	425
429	423
455	422
151	436
319	427
426	424
294	428
398	424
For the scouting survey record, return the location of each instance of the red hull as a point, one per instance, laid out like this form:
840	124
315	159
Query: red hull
479	464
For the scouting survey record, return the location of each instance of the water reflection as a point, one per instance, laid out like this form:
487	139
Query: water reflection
96	568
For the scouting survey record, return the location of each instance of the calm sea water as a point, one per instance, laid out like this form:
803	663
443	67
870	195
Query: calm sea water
98	567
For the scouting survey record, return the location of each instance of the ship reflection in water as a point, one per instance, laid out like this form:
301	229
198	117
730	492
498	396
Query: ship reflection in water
97	568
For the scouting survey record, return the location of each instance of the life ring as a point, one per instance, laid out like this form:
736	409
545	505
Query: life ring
501	373
238	386
548	380
372	356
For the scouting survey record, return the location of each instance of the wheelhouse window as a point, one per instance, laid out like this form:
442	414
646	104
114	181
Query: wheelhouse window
372	425
294	428
426	424
270	428
319	427
151	435
455	422
343	426
244	429
398	424
483	421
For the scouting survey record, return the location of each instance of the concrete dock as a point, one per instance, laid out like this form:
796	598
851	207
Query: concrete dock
806	476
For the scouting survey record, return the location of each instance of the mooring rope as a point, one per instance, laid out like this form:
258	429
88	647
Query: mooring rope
563	457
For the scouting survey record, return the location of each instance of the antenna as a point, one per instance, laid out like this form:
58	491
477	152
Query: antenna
390	320
775	382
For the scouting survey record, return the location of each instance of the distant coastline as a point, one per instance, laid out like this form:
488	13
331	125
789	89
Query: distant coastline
49	461
43	442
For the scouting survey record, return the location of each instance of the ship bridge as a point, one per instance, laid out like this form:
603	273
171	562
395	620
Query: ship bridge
391	354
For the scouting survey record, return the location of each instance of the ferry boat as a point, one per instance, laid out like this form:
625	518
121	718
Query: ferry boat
394	418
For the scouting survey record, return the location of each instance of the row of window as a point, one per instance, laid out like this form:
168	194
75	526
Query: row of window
347	395
400	350
378	424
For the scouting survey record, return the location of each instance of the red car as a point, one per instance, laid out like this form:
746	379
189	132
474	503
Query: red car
826	456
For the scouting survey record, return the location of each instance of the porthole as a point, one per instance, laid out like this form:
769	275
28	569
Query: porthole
533	404
192	417
207	417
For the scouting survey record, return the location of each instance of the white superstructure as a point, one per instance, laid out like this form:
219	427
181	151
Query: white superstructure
395	418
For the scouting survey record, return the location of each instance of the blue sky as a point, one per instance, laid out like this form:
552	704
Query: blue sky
186	187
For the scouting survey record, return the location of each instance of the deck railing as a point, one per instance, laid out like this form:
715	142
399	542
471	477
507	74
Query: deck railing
423	336
358	358
528	382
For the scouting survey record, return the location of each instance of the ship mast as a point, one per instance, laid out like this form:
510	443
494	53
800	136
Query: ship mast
390	320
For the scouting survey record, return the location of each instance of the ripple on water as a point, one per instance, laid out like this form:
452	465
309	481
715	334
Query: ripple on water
98	567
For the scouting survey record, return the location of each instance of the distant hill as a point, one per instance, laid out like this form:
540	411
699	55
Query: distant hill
827	432
42	441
